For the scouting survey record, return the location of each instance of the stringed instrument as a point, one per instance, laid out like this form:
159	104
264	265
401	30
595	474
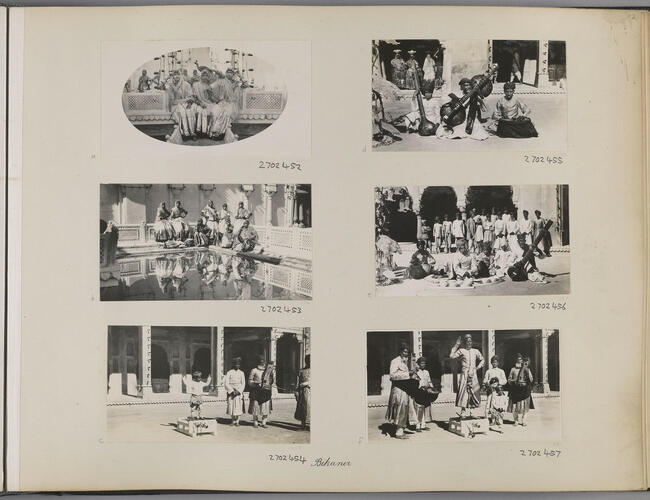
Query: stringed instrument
518	266
453	113
427	127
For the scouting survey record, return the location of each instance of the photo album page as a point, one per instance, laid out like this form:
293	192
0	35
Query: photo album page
339	249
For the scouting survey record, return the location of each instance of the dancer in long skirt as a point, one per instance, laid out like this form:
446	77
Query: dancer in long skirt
235	382
520	384
303	395
181	229
400	411
162	228
211	220
471	360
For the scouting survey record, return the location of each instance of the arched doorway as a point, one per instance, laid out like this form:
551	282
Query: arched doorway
438	201
159	369
288	359
202	361
485	198
503	54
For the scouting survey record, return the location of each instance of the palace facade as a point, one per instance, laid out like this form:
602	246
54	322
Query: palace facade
144	361
542	347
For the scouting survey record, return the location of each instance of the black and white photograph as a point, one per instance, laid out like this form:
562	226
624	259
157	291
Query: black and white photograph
204	96
212	384
452	386
472	240
205	242
469	95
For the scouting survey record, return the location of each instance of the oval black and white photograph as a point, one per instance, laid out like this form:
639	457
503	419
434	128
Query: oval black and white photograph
243	96
204	96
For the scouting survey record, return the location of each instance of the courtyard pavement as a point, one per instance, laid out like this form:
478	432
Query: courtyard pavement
543	424
548	113
156	422
557	268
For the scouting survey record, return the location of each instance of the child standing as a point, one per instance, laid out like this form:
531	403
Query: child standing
520	384
446	230
423	411
194	385
494	407
234	382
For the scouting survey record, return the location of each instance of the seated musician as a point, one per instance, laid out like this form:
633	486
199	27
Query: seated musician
525	269
431	111
511	116
246	239
422	262
471	127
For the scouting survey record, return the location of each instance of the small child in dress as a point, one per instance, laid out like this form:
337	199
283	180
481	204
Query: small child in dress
194	385
423	411
485	261
495	405
437	235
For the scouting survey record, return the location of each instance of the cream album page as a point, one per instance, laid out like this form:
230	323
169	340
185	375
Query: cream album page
339	249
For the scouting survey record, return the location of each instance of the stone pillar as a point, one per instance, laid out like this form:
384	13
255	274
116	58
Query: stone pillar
143	232
491	347
295	220
146	389
490	56
267	198
289	198
276	333
542	346
461	202
542	66
419	227
220	362
417	343
446	68
213	360
301	214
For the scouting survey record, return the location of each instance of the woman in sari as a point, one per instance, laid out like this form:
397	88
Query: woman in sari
181	101
201	233
228	237
211	220
241	216
162	228
303	395
224	219
213	119
246	239
520	384
181	229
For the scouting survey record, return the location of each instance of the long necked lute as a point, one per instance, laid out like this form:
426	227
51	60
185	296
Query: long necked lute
427	127
453	113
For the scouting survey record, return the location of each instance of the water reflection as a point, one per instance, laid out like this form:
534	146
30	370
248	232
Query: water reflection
205	275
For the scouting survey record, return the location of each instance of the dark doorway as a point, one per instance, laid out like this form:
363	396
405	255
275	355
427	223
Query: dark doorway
438	201
509	345
554	361
486	197
288	354
503	54
382	348
159	369
202	362
247	344
556	60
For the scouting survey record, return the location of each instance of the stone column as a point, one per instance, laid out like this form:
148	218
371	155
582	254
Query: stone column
419	227
446	68
276	333
146	389
417	343
490	58
491	347
542	65
220	362
542	346
289	198
295	220
267	198
213	360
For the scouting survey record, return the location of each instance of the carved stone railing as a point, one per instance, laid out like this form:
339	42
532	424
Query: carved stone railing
153	107
286	241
